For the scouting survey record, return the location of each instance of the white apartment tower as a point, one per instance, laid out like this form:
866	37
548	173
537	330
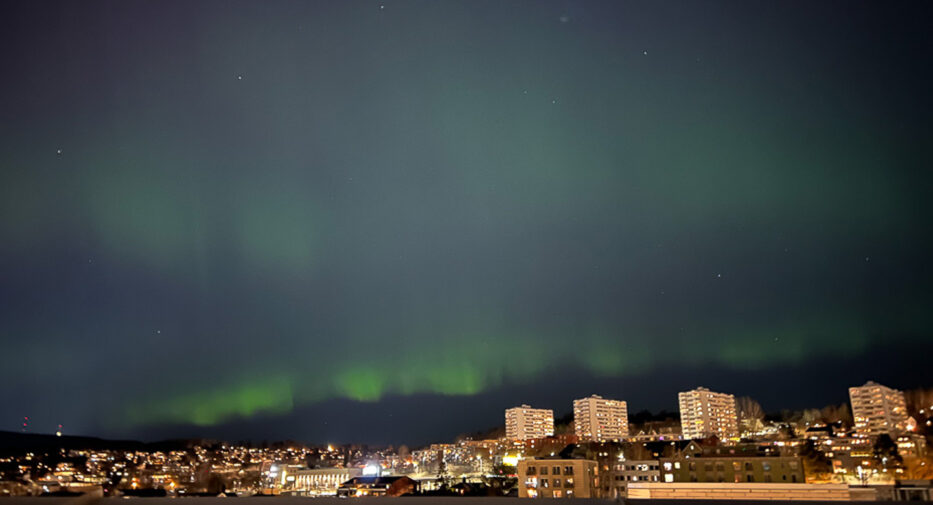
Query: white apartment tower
524	422
704	413
596	418
878	409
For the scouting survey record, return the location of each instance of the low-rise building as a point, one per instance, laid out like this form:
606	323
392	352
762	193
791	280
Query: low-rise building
627	471
846	454
394	485
777	469
546	445
749	463
912	445
722	491
558	478
317	481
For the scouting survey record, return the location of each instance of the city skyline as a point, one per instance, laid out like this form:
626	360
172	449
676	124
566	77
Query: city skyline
527	422
812	455
390	221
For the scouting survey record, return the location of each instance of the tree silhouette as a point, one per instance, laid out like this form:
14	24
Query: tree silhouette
816	466
885	451
748	408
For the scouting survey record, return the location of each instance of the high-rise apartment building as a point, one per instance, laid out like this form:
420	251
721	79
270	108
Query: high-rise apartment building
599	419
524	422
878	409
704	413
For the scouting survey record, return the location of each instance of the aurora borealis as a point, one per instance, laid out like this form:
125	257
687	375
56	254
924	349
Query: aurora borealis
270	219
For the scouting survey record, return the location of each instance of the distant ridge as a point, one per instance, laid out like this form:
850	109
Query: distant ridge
12	442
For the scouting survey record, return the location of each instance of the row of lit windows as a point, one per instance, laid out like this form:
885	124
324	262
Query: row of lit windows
545	483
533	493
736	465
636	478
638	467
738	478
555	470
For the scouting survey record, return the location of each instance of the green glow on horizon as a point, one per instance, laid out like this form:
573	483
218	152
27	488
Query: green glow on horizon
467	369
212	406
359	383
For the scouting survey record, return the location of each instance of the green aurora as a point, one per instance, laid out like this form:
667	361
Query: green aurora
256	211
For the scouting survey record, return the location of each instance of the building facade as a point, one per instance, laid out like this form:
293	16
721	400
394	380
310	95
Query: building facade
773	469
558	478
704	413
627	471
846	453
317	481
524	422
684	491
598	419
878	409
395	485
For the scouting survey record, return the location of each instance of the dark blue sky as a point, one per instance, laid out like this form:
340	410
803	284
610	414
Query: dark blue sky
388	221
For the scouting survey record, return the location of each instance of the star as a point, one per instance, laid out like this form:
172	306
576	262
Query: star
645	52
718	276
382	7
239	77
159	332
564	19
58	152
866	258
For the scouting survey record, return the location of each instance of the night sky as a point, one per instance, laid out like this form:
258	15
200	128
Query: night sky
388	221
